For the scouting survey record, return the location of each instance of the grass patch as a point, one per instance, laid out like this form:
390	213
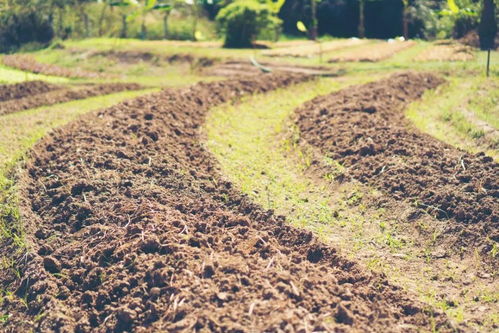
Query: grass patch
145	73
460	113
11	75
247	152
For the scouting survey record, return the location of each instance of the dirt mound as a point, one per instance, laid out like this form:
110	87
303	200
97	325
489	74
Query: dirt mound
24	89
364	129
446	51
235	68
134	229
64	95
29	64
472	39
128	57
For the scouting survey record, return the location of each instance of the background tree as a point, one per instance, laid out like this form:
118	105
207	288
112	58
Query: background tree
463	16
242	21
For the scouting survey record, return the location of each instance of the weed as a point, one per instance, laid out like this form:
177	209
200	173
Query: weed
354	198
39	317
495	250
4	318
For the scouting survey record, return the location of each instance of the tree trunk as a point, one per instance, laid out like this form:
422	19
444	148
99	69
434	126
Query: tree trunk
165	25
362	28
87	24
84	19
143	29
124	27
195	22
405	19
313	28
101	18
60	21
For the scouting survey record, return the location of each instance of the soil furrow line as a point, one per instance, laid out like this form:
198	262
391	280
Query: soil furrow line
25	89
28	63
364	129
64	95
132	227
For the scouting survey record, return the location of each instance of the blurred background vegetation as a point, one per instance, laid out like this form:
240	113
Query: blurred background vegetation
31	24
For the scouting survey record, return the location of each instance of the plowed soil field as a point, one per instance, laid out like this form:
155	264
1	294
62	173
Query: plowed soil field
133	228
447	51
236	68
30	64
63	95
131	57
364	128
309	50
373	52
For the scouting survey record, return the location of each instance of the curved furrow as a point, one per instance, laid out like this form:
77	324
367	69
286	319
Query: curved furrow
133	227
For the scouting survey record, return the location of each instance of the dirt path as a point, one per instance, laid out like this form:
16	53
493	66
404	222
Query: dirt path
132	227
365	130
63	95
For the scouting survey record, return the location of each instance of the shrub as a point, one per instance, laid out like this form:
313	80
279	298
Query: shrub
464	24
243	20
17	29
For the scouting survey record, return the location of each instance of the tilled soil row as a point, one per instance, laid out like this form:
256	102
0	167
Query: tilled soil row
133	57
237	68
25	89
133	228
64	95
29	64
309	50
364	129
374	52
446	51
213	66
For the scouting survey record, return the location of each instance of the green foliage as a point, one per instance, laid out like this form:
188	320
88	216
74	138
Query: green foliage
243	20
462	16
19	26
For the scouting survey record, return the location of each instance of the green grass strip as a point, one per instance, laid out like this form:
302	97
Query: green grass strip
12	75
440	113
